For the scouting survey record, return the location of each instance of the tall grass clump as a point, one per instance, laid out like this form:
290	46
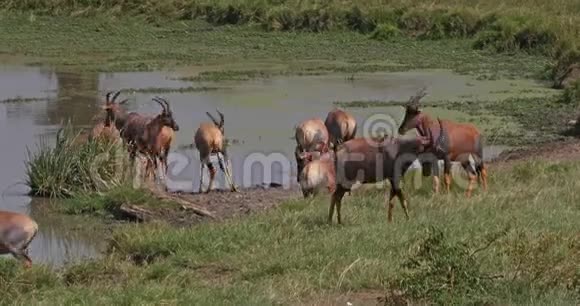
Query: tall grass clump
74	164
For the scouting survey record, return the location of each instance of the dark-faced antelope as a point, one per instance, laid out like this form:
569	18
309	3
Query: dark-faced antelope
151	136
462	142
341	126
318	174
114	119
311	135
16	232
372	160
210	139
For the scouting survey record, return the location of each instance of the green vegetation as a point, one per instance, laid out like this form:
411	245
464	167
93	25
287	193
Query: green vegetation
22	100
74	164
550	28
169	89
517	244
523	121
130	44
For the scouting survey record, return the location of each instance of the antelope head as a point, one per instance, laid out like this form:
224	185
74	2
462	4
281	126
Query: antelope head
166	116
412	113
112	108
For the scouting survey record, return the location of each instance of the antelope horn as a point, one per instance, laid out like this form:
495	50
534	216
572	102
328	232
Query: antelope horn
115	96
164	101
160	103
415	99
221	118
108	96
212	118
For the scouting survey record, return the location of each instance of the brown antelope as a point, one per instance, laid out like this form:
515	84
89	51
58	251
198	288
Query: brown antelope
150	136
210	139
16	232
371	160
341	126
311	135
114	119
318	173
462	142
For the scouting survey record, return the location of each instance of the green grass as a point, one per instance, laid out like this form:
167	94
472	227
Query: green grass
506	26
71	165
105	43
517	244
512	121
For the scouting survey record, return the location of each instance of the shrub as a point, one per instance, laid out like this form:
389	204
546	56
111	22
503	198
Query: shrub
385	32
74	164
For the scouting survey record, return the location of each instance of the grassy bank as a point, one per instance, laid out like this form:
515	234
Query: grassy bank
516	120
534	26
105	43
517	244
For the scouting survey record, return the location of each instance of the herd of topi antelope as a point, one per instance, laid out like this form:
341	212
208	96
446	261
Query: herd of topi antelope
328	156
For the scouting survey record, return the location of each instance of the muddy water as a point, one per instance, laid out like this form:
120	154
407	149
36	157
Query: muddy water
259	119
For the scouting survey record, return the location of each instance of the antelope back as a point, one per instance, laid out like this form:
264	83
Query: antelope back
310	133
16	230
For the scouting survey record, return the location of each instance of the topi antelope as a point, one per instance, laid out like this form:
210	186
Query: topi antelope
462	142
318	173
311	136
210	139
372	160
109	129
151	136
341	126
16	232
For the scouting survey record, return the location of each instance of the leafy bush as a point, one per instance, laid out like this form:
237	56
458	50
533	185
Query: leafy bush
385	32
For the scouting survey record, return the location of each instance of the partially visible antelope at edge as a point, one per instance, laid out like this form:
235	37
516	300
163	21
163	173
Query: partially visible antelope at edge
114	118
371	160
150	136
16	232
318	174
311	136
341	126
462	142
210	139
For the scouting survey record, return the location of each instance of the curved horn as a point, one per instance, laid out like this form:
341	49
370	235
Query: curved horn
212	118
115	96
108	96
221	118
415	99
164	101
160	103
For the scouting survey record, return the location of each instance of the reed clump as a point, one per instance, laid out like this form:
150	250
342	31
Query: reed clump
74	164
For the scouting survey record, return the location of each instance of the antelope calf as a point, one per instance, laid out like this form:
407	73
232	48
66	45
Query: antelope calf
462	142
372	160
210	139
341	126
318	174
311	135
16	232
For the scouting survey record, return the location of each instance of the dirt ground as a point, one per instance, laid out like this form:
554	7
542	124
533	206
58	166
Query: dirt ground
223	204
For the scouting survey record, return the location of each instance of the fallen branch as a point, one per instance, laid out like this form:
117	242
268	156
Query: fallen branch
135	212
162	195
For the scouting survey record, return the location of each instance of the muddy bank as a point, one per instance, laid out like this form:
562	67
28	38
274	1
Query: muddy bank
218	205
